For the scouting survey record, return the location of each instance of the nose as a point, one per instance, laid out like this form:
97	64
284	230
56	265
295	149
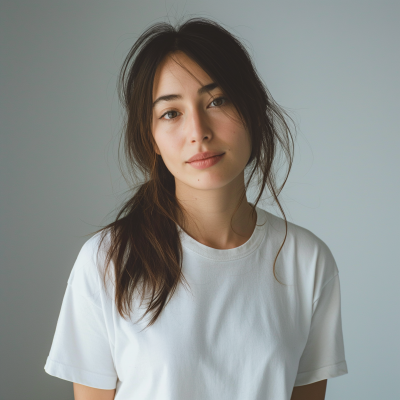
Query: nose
198	127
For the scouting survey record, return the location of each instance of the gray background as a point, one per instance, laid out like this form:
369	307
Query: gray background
334	65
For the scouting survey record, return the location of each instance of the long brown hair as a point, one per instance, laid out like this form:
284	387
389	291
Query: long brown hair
144	243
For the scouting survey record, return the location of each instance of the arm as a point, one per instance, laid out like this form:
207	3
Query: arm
314	391
82	392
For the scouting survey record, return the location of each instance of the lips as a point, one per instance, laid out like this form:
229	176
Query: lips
204	155
206	162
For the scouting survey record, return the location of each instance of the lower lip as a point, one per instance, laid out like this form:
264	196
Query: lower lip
208	162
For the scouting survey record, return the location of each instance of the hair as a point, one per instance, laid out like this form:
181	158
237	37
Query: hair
144	241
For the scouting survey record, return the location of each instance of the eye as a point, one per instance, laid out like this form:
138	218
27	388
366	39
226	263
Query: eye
171	115
219	101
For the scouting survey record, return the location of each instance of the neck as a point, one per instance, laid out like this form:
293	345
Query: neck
209	213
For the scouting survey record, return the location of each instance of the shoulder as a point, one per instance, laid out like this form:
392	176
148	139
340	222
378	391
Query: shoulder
304	251
87	272
298	237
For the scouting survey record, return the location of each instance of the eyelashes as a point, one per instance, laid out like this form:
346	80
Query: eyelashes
218	99
169	112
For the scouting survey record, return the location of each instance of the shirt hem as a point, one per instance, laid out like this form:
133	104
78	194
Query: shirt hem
80	376
327	372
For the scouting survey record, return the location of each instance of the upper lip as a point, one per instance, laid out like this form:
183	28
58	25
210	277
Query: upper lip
204	155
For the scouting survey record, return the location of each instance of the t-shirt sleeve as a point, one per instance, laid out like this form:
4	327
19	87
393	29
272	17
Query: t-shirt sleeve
81	351
323	356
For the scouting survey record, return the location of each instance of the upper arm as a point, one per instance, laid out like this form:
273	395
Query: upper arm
82	392
313	391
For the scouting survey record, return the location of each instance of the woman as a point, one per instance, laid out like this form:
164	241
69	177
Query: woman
179	298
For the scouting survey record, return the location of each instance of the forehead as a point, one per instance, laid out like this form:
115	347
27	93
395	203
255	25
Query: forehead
177	73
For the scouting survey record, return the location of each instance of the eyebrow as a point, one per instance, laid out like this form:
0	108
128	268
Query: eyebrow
169	97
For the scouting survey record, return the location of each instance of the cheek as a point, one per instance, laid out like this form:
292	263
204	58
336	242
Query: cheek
170	146
240	144
237	138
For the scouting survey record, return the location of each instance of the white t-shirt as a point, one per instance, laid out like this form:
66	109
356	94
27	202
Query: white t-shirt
236	334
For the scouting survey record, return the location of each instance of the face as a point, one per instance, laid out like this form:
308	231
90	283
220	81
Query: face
188	120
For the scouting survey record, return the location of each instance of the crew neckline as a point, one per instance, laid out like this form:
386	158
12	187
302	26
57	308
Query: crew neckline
229	254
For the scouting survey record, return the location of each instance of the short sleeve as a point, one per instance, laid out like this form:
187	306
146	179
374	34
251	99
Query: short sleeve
323	356
81	350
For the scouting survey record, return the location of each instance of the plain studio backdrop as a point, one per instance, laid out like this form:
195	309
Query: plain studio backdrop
333	65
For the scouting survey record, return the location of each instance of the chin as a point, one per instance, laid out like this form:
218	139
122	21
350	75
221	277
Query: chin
207	183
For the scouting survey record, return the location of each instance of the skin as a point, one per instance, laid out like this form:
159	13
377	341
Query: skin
314	391
82	392
197	122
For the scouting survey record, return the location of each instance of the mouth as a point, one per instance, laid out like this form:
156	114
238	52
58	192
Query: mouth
205	158
202	159
206	162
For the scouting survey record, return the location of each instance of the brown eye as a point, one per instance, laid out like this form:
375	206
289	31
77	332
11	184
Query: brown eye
218	102
170	114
